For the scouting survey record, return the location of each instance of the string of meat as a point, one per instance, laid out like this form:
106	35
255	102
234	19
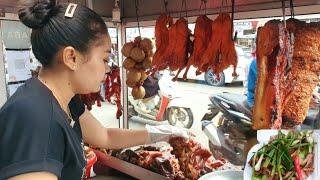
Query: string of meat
113	89
91	99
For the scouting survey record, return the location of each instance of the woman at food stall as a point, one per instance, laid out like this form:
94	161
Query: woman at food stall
43	125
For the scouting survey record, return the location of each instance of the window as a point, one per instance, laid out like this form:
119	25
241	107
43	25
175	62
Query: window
187	101
106	114
114	56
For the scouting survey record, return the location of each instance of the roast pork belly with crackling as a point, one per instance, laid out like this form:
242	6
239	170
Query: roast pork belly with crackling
288	62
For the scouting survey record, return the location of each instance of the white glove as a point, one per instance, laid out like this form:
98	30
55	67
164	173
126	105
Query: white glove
164	133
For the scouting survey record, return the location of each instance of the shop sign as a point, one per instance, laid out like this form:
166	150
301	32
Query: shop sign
15	35
242	25
113	32
19	65
2	12
249	31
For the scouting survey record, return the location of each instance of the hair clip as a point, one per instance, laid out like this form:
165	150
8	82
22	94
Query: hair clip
70	10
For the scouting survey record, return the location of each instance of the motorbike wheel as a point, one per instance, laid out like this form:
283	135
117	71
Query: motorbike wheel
213	79
178	116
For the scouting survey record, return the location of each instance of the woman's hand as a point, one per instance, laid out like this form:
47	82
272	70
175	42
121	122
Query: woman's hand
165	132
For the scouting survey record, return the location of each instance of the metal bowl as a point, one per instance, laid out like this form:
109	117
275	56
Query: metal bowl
223	175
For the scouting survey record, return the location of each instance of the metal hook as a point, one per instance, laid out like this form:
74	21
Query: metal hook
234	38
185	8
284	13
224	3
291	8
136	4
165	2
205	7
203	2
183	3
200	6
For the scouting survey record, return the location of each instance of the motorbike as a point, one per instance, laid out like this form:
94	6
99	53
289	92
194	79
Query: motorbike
228	124
166	105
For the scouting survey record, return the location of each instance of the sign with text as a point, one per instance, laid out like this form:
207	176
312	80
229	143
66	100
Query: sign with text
15	35
18	65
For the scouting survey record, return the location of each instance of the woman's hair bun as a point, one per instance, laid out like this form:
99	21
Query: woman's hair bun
37	15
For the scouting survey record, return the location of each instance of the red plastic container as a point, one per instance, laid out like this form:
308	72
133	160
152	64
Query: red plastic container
91	159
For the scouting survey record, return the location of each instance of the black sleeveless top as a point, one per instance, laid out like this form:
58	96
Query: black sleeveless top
35	134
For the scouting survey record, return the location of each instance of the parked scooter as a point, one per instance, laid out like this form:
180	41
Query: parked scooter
166	105
230	135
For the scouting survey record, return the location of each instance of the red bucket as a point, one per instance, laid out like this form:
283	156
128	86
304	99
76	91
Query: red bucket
91	159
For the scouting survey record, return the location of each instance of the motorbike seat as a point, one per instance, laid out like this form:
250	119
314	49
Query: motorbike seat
240	102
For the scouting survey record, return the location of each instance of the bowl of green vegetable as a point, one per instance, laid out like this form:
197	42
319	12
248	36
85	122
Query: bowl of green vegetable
284	155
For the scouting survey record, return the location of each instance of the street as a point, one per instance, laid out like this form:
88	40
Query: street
195	94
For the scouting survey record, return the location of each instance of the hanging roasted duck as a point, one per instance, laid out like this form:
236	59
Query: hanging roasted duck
220	52
162	41
179	46
201	41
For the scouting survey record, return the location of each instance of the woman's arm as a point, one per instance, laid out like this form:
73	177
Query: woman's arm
35	176
111	138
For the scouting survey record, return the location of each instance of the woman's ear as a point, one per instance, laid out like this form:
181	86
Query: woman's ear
70	58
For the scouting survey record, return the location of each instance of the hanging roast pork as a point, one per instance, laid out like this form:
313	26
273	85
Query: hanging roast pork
288	61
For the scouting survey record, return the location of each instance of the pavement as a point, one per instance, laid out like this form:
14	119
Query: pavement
196	94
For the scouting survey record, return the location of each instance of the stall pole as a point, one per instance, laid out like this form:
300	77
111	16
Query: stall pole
124	87
89	4
3	86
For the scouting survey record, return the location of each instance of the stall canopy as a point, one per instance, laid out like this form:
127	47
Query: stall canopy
150	9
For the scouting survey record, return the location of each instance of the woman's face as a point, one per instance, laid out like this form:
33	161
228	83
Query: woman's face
91	73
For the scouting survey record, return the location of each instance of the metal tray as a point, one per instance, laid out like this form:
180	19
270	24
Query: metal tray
127	168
